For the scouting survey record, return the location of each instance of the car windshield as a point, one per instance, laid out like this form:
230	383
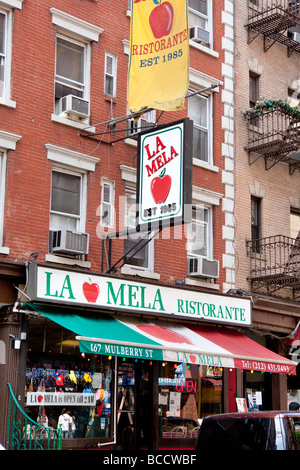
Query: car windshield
237	434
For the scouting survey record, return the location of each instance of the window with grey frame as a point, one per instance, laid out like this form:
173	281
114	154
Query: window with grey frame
199	235
2	49
70	69
110	76
107	204
198	13
66	193
199	113
5	51
200	22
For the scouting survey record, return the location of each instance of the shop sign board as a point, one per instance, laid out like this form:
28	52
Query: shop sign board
188	386
164	190
55	285
158	74
60	399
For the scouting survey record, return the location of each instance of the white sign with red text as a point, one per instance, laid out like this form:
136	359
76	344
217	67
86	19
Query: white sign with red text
161	175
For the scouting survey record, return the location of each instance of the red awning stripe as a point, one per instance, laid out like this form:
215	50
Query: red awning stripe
256	356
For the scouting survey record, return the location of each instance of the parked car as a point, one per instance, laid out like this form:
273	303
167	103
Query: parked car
261	430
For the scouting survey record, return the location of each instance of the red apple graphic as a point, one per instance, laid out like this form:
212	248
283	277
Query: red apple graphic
161	19
91	291
160	187
40	398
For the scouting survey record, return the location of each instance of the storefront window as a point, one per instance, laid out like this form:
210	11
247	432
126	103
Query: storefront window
257	386
187	393
113	399
65	388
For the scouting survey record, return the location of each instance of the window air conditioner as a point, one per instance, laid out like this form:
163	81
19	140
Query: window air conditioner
74	106
132	127
68	242
198	34
202	267
296	36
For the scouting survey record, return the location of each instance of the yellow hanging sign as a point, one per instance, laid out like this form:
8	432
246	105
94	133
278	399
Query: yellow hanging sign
159	55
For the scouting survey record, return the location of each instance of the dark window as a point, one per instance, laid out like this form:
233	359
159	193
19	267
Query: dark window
255	223
253	93
253	89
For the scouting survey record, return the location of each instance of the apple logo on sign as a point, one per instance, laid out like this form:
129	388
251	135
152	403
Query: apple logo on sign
161	19
160	187
91	291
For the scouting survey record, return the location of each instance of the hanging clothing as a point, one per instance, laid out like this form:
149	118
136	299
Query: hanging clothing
66	423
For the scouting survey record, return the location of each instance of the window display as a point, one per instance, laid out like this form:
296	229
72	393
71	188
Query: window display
78	401
119	401
187	393
65	388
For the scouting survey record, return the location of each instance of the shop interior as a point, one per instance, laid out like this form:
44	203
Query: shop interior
124	401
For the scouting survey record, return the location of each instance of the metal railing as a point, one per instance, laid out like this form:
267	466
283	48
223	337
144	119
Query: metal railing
273	13
273	19
273	132
23	433
274	262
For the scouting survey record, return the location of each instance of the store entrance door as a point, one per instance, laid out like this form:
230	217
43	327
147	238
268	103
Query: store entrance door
134	405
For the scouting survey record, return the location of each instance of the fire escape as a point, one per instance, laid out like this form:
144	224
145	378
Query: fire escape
274	135
275	20
275	265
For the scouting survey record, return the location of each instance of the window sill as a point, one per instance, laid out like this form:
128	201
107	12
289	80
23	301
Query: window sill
110	98
4	250
8	103
69	261
206	165
130	141
201	283
202	48
75	124
142	272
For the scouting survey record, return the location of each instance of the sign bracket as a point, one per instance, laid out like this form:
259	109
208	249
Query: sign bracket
112	123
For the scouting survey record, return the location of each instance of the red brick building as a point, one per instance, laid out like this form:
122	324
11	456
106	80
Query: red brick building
68	172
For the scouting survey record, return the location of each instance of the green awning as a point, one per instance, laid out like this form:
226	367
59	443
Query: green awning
114	337
160	340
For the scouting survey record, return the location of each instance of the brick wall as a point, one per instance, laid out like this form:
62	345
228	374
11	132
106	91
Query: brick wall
275	186
28	181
